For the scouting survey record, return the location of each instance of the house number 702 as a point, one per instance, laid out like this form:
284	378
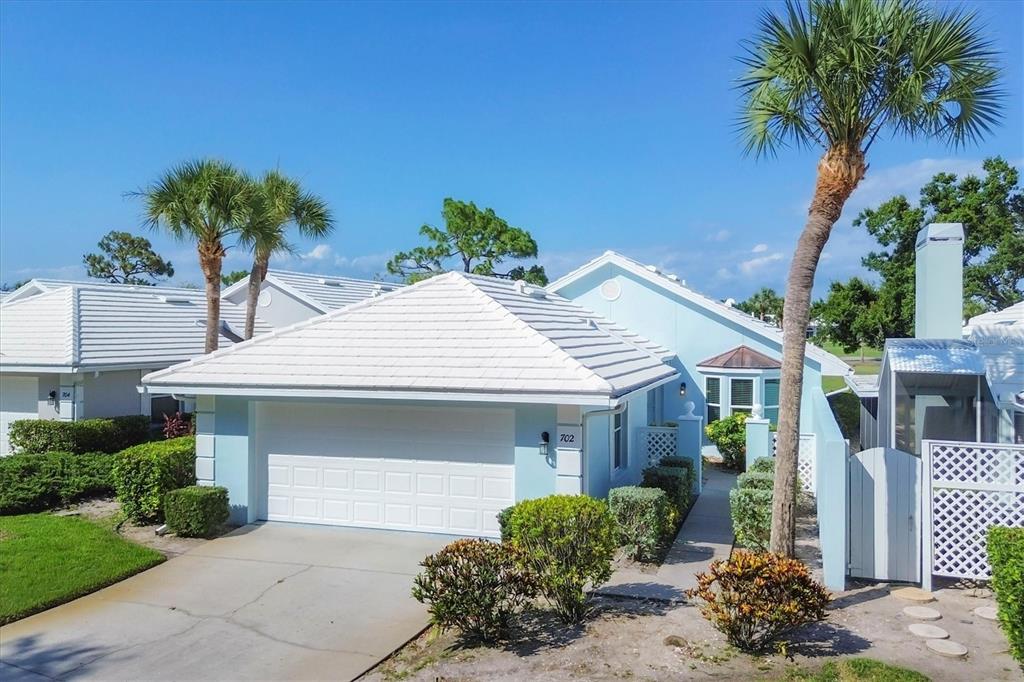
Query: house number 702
567	438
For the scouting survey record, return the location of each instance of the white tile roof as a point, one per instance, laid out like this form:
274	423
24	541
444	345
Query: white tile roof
323	292
1002	349
830	364
933	356
863	385
454	335
1011	317
92	325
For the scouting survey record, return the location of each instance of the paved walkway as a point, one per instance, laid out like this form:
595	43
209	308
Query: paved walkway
705	536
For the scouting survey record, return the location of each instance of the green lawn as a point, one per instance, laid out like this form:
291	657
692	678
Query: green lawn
867	352
830	384
47	560
865	669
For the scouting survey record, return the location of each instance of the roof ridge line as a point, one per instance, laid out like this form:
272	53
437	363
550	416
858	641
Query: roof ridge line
522	324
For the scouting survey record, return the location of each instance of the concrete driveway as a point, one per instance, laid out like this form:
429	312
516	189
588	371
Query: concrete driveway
271	601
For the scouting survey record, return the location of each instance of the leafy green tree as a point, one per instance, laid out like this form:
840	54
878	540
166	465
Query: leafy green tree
836	74
126	259
277	204
765	305
991	209
203	202
234	276
11	287
477	240
851	316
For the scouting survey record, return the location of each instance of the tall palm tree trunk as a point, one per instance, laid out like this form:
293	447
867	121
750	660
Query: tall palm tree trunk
211	260
839	172
260	266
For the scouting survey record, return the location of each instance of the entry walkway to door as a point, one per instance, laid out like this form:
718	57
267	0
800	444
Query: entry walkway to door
705	536
271	601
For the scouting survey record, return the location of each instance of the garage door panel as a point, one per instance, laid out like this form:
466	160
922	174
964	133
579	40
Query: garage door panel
395	490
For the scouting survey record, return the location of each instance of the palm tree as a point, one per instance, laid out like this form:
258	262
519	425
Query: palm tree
763	304
277	203
834	74
202	201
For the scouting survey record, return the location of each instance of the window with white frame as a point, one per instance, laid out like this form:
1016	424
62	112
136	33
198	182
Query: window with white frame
713	397
741	392
620	439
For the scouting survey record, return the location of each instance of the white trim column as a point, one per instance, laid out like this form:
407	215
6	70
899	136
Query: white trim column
568	445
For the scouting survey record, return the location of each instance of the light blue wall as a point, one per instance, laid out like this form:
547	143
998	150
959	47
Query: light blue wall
598	444
233	466
535	474
692	332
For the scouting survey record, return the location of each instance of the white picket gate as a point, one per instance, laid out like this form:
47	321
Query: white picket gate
968	487
656	442
805	468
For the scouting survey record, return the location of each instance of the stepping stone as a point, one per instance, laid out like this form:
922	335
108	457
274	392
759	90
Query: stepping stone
987	612
927	631
921	613
914	594
945	647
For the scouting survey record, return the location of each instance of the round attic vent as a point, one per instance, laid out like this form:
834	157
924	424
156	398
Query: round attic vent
610	289
265	297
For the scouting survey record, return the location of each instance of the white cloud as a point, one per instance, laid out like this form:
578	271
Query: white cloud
319	252
760	248
719	236
749	267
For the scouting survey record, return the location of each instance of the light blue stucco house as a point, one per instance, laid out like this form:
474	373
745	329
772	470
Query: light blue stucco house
433	407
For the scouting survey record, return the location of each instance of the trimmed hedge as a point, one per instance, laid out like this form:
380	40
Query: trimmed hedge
197	511
644	519
677	482
568	542
108	434
751	512
145	473
764	465
756	480
30	483
675	461
1006	555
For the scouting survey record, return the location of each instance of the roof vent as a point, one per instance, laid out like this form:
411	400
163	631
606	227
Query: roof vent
330	282
163	298
520	286
652	268
729	302
674	278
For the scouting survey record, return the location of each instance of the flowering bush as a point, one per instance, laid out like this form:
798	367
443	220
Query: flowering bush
757	598
178	424
474	585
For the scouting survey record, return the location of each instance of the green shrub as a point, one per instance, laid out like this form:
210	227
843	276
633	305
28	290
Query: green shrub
197	511
31	483
756	480
643	517
751	512
1006	556
145	473
730	437
568	542
754	599
503	518
476	586
677	482
764	465
109	434
675	461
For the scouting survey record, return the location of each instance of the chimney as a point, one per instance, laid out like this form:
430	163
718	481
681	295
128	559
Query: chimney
939	295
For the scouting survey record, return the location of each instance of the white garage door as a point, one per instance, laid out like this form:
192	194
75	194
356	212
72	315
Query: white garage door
19	398
438	470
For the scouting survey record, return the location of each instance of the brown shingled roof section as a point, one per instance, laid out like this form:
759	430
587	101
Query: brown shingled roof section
742	357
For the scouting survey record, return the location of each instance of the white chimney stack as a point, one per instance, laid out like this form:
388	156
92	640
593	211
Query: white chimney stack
939	294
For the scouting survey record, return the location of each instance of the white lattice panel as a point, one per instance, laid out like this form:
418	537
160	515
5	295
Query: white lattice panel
971	486
657	442
805	469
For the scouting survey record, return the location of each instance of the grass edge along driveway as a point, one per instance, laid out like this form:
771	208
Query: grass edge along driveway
46	560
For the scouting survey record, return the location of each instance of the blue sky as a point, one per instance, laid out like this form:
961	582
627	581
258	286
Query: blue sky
595	126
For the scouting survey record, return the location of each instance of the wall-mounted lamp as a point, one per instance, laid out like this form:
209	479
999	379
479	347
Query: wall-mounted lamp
682	389
545	438
51	398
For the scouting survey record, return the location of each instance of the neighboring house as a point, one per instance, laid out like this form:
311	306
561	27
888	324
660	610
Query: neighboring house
952	381
728	361
77	350
430	408
290	297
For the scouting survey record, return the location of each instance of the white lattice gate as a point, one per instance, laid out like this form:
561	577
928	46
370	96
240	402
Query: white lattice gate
805	468
969	487
656	442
